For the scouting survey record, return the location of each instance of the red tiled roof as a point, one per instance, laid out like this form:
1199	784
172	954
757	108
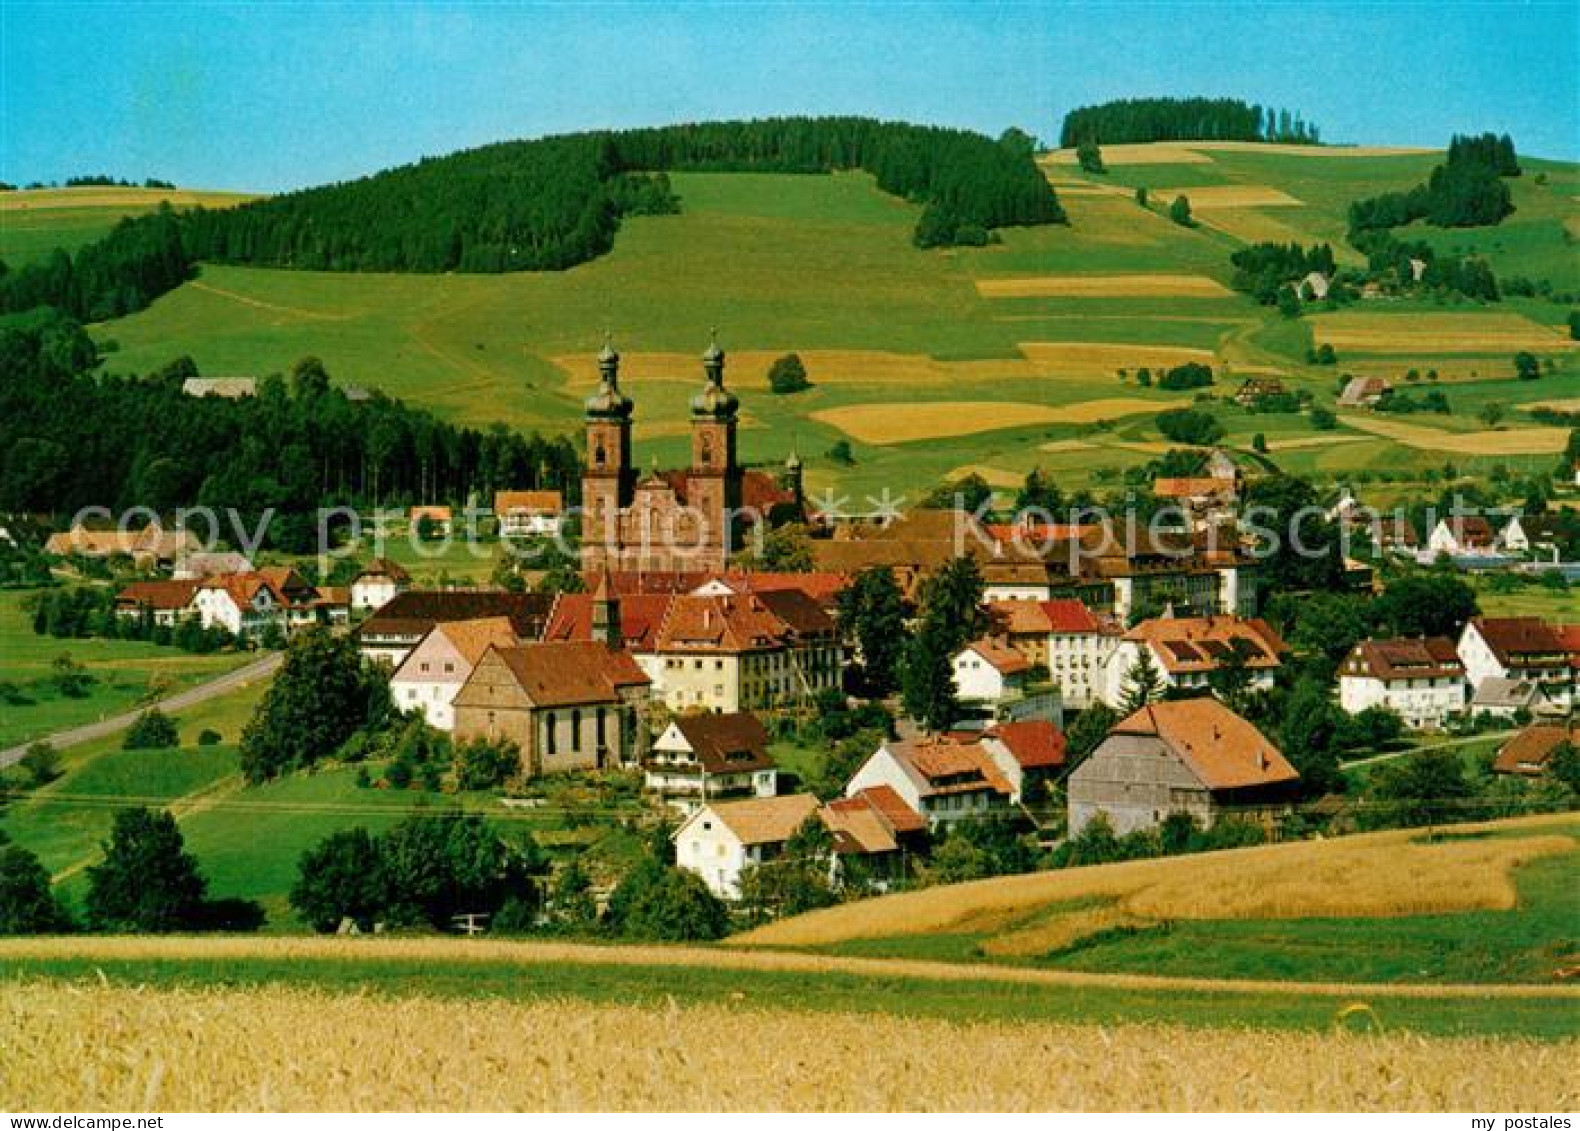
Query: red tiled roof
528	502
900	816
640	617
1070	616
1003	658
1433	658
1186	487
1512	638
1224	750
1196	644
1528	752
1035	743
163	596
567	674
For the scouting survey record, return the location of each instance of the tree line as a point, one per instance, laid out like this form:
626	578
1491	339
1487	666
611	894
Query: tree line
545	204
1466	191
72	436
1136	120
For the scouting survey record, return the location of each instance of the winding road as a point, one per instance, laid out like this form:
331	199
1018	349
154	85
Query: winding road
221	685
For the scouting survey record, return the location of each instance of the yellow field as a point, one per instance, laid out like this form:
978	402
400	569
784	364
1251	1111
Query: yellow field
1512	442
1154	153
992	476
1066	446
1106	357
748	369
1307	150
102	1048
1570	405
1100	286
1429	333
1378	874
903	422
1206	198
1449	369
1299	442
93	196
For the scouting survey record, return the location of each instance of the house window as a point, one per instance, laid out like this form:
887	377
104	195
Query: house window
551	740
449	667
602	742
576	730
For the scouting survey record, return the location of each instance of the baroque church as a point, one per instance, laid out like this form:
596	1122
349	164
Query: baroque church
689	519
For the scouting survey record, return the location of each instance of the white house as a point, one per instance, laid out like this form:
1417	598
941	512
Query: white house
1462	535
1025	752
1532	534
1422	680
943	780
429	678
723	838
242	603
1186	651
1524	649
989	671
164	602
377	584
703	758
529	514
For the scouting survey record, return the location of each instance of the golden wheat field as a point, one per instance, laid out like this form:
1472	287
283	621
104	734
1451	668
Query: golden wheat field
1101	286
1429	333
1152	153
1103	358
1207	198
1490	442
102	1048
992	476
94	196
901	422
748	369
1379	874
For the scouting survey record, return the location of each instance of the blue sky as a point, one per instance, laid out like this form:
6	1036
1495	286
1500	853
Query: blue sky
270	96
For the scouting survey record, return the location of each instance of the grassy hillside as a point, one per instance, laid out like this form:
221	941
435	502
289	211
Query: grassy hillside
1484	903
34	222
1031	332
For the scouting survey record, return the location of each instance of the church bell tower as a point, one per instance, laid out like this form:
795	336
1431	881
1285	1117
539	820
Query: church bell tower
610	479
714	481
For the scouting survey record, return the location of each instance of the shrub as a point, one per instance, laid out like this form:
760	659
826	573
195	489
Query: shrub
787	375
153	730
147	881
209	737
1189	426
42	763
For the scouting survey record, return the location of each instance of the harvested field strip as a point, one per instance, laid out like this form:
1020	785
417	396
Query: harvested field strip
1311	442
748	369
1105	357
1510	442
1066	446
486	952
112	197
1429	333
1382	874
1206	198
992	476
1307	150
1101	286
1153	153
903	422
1570	405
282	1049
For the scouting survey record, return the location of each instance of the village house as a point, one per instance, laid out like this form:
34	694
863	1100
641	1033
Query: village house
435	518
163	602
989	671
702	758
529	514
942	780
244	604
1253	389
724	838
1186	651
873	832
1510	699
1540	535
567	706
434	673
1529	753
1527	649
1462	535
1422	681
1363	392
389	635
1205	501
377	584
746	653
151	546
1190	756
231	388
199	565
1313	287
1028	753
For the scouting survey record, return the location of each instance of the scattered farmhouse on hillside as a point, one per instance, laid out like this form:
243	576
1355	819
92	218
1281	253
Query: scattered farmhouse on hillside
151	546
1525	649
232	388
1180	756
1363	392
1462	536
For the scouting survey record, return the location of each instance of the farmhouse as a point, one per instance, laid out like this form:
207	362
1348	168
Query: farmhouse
1207	501
211	564
163	602
875	828
702	758
1534	534
1462	535
1186	651
241	603
723	838
232	388
434	673
568	707
1510	699
377	584
529	514
1253	389
148	547
1526	649
389	635
940	779
675	520
1180	756
1529	753
1028	754
1363	392
1422	680
989	671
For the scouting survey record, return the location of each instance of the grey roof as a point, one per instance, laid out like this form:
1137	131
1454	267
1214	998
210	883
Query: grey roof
1496	691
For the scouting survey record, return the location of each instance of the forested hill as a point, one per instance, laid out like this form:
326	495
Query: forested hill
1138	120
545	204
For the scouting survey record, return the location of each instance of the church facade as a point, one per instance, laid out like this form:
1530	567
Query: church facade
685	519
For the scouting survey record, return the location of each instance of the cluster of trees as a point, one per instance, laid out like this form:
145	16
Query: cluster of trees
70	437
1133	120
1190	375
1263	270
104	180
1190	426
545	204
89	611
788	375
951	616
1433	400
1466	191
